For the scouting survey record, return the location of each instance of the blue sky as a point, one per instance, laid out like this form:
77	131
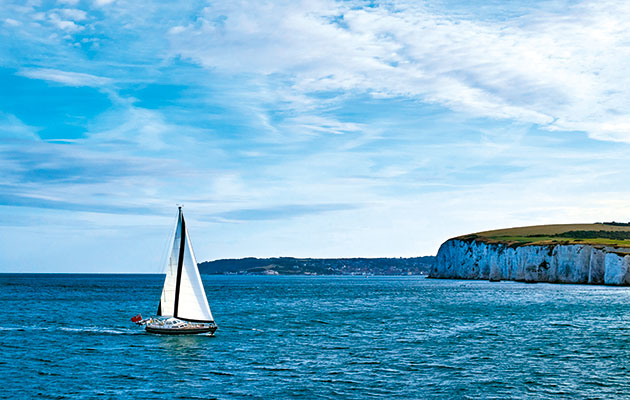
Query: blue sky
308	129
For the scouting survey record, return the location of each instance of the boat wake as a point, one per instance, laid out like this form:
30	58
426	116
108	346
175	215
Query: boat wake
100	330
94	330
11	328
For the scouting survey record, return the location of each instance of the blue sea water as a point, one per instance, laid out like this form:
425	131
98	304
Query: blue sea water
69	336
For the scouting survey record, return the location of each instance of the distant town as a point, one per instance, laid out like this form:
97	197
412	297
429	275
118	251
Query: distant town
319	266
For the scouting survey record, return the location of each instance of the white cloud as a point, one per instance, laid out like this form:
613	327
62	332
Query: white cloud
311	124
65	77
103	2
12	22
66	25
142	127
73	14
176	29
38	16
12	127
564	72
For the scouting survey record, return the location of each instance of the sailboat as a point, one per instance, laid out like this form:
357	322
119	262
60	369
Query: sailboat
183	307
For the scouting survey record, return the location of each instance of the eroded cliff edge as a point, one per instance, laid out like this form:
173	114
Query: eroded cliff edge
558	263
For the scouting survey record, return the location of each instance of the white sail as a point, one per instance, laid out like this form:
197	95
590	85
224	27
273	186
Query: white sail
183	295
167	300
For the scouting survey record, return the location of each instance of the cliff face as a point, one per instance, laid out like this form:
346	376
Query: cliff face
575	263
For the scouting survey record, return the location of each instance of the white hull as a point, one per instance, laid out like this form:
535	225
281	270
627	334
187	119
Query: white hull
174	326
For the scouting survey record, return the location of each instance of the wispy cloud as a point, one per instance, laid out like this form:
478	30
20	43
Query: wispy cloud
103	2
560	71
317	124
17	200
12	22
12	128
65	77
73	14
283	211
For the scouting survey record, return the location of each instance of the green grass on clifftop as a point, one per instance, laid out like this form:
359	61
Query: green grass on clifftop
613	234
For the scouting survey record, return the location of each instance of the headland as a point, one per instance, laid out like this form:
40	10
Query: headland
572	253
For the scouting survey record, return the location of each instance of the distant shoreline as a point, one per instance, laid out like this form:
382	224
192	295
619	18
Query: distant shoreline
319	266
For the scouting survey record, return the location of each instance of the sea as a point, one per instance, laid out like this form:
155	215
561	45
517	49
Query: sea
65	336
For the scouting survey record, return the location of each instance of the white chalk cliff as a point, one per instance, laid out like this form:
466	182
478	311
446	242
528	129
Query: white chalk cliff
568	263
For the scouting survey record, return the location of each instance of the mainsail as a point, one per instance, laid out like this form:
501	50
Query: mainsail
183	295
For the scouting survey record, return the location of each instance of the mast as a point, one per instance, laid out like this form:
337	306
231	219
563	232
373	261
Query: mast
180	260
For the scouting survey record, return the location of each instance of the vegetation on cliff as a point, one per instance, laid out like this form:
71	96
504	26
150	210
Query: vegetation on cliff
613	234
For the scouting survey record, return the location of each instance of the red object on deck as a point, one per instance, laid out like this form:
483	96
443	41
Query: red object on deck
136	318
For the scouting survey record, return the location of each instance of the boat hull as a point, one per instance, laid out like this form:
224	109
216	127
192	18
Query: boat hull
180	331
176	326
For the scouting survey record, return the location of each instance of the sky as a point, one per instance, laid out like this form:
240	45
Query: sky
303	128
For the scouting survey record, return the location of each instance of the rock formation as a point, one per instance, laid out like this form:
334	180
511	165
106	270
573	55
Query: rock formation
560	263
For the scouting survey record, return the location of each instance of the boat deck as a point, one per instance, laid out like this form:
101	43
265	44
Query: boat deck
175	326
